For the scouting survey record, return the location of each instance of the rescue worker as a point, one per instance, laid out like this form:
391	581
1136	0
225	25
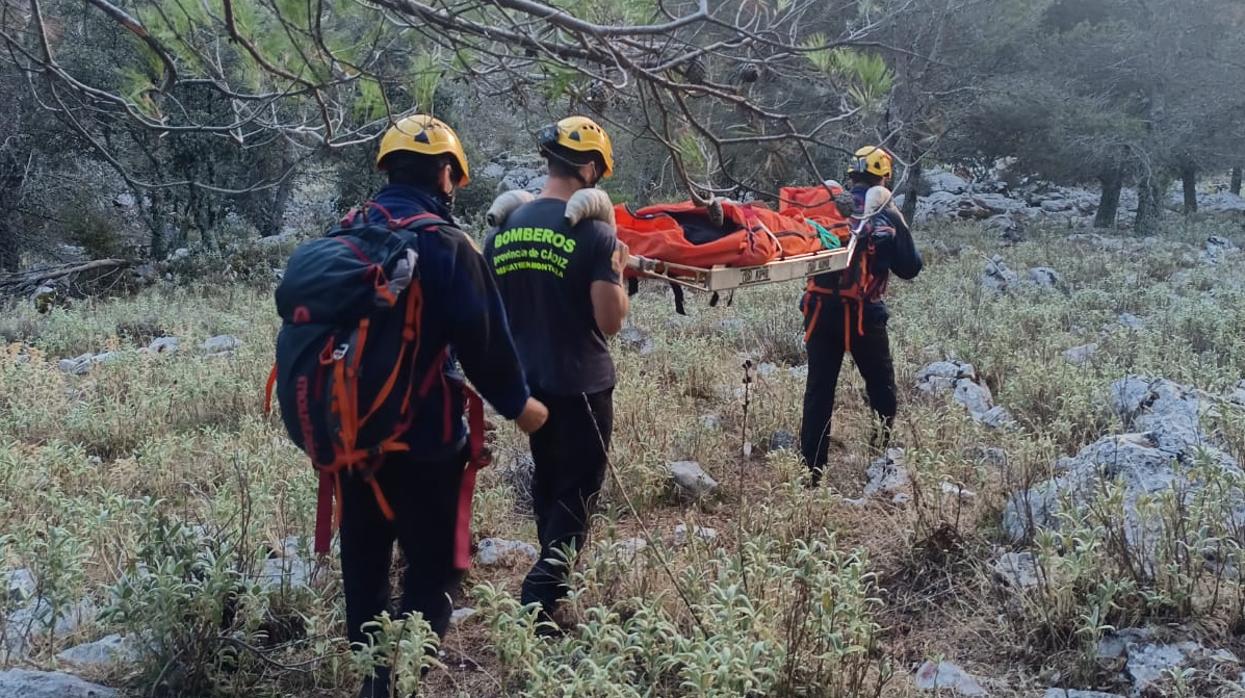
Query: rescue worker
563	291
425	164
845	312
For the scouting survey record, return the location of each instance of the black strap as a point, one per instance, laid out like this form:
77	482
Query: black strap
633	286
678	298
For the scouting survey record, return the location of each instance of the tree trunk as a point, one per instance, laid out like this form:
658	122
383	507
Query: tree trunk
1188	176
1235	186
1150	193
1109	204
10	255
912	192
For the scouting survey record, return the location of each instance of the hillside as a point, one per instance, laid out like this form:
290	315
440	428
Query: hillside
148	501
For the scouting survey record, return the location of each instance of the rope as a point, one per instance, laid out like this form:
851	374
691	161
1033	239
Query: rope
648	535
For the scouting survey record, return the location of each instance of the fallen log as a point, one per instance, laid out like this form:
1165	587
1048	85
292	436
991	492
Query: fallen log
75	279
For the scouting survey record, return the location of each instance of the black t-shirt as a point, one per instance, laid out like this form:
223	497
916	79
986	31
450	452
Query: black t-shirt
544	271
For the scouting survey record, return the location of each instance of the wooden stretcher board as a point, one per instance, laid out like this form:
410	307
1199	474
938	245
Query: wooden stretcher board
724	278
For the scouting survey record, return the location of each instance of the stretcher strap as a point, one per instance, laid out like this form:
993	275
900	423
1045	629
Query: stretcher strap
324	512
478	459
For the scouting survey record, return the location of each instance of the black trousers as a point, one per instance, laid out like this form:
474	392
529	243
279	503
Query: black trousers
424	499
826	347
570	455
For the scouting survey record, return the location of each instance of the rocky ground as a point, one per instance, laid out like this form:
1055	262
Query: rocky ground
1060	514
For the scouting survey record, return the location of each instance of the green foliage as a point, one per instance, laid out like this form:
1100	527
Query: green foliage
867	77
751	607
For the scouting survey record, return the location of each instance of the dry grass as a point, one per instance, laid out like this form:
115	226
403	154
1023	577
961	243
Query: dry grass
94	469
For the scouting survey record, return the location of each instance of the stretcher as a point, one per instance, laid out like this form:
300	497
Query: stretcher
722	277
815	235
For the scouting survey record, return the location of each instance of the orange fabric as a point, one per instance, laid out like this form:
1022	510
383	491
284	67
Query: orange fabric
759	233
268	388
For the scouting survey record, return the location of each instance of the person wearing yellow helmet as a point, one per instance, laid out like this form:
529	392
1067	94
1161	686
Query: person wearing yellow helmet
845	312
461	323
562	286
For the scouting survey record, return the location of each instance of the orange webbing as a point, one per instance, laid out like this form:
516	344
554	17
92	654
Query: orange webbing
815	311
383	503
410	332
341	398
271	385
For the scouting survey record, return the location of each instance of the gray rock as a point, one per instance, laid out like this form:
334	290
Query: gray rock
766	370
1007	227
1238	395
942	376
1115	644
888	475
783	440
1165	418
997	204
1131	321
996	417
683	534
497	551
20	683
711	421
81	365
164	345
492	170
103	653
974	396
800	373
20	586
1079	356
730	325
1073	693
37	620
692	481
290	571
631	548
637	340
179	254
944	181
1148	664
998	278
992	455
1045	277
1172	412
954	490
1218	249
945	676
460	615
221	344
1018	570
1134	459
1056	205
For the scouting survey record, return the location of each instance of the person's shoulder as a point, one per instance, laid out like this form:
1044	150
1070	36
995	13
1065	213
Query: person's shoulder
449	236
537	213
597	229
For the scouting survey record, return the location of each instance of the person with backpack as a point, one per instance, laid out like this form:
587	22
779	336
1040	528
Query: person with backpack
377	317
845	312
562	286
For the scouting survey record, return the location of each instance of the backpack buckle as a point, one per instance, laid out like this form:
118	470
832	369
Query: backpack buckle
340	352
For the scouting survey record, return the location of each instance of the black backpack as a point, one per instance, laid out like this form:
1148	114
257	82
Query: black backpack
344	375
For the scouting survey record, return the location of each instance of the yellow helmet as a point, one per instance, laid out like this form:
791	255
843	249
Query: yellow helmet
579	133
872	159
426	135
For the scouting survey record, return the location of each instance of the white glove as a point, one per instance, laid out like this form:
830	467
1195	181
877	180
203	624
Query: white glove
504	205
589	203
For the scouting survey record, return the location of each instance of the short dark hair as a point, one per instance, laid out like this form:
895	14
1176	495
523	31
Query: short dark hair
865	178
564	162
417	169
